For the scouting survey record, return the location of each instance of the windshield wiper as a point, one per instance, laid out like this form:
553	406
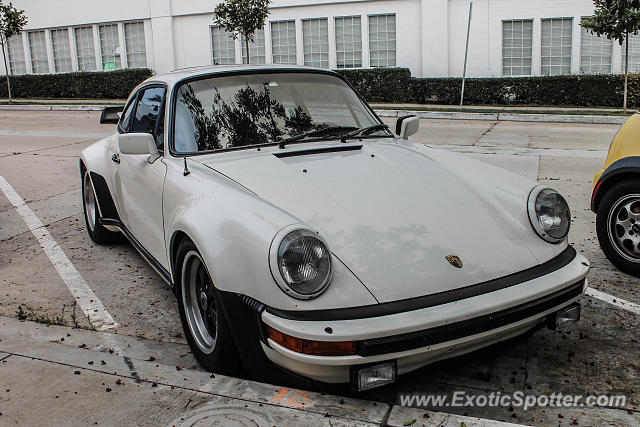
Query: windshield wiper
304	135
365	130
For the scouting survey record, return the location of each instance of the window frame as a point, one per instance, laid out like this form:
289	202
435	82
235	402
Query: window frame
502	57
295	50
127	53
395	49
599	38
118	62
571	59
320	20
161	112
255	46
174	97
12	61
361	50
211	45
57	54
30	43
79	48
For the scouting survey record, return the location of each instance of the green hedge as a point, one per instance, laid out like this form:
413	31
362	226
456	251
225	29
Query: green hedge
395	85
392	85
116	84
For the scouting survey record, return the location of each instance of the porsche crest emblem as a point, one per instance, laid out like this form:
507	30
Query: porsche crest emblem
454	260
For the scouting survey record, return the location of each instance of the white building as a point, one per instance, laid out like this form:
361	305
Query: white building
508	37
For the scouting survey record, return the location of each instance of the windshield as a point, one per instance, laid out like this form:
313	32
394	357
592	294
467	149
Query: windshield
253	109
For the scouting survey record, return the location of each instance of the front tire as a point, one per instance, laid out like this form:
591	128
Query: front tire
618	226
203	320
98	233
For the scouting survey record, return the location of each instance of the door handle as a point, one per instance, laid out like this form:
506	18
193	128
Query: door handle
115	158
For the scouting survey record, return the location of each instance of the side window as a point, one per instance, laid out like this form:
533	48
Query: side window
148	110
125	118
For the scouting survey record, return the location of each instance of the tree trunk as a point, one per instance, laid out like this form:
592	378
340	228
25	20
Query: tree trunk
6	68
246	43
626	71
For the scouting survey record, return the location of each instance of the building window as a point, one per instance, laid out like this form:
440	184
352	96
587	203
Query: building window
634	54
556	46
17	64
256	49
85	50
223	46
61	50
134	45
109	46
348	42
38	49
283	42
517	37
315	42
382	40
595	53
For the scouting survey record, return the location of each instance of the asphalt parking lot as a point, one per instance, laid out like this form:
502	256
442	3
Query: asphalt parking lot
600	355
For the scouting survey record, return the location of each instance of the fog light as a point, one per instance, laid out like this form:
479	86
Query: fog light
565	317
373	376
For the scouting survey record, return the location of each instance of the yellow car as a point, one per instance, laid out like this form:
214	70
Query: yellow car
616	199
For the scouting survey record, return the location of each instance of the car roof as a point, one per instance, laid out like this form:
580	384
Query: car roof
177	75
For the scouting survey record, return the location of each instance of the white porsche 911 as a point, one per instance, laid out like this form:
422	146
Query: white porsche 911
304	240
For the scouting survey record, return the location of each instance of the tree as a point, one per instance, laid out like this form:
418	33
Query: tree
12	21
617	20
242	18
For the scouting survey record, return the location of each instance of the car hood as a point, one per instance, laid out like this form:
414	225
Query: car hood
393	211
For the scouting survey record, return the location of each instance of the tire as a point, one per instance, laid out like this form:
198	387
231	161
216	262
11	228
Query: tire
98	233
618	226
202	316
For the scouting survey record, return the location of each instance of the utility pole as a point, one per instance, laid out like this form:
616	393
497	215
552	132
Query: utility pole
466	54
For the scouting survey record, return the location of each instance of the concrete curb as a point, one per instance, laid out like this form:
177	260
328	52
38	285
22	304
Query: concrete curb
442	115
546	118
29	345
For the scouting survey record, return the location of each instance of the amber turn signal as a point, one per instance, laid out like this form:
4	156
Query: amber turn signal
315	348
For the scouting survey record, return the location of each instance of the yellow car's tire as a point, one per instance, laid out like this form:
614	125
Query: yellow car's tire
618	226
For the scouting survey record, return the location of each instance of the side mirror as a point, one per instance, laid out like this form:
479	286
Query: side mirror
137	143
407	126
110	114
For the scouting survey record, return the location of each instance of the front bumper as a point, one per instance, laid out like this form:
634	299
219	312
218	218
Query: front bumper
419	337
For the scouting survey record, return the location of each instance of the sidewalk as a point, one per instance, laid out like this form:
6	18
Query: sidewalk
58	375
550	114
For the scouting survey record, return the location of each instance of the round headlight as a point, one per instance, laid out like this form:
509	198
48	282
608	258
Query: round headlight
549	214
303	262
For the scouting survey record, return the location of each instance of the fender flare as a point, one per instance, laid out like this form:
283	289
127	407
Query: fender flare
106	206
621	170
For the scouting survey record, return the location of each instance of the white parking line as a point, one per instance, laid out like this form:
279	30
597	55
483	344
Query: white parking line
618	302
86	299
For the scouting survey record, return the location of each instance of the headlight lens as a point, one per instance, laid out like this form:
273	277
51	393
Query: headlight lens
304	262
549	214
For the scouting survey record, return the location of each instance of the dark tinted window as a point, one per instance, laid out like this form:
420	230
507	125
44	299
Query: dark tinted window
148	110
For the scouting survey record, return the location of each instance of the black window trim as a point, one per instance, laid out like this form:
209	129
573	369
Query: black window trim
135	98
215	74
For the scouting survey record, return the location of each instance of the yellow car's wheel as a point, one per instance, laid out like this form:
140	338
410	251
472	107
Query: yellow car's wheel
618	226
